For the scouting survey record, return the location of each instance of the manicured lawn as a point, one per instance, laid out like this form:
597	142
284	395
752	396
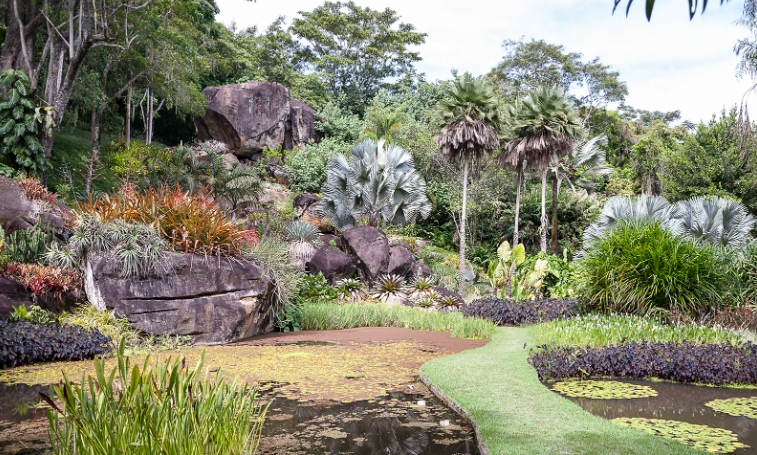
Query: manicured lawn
515	414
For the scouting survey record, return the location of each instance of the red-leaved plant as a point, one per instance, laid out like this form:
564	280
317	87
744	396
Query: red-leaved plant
45	282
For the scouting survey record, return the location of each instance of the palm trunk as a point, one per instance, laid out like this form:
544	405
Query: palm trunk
511	272
127	118
463	217
555	194
544	219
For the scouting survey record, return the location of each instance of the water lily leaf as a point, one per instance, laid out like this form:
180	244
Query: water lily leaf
703	437
603	390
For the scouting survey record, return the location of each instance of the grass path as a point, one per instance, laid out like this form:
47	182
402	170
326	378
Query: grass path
515	414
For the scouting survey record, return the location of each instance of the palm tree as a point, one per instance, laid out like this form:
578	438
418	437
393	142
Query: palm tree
366	186
544	128
585	163
472	115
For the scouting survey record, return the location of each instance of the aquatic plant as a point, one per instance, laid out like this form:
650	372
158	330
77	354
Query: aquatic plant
166	408
510	312
739	407
603	330
703	437
603	390
686	362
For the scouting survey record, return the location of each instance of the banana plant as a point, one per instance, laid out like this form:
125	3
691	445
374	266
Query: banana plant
500	272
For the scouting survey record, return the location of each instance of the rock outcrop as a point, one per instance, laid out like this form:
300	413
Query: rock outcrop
370	247
12	293
211	300
17	211
250	116
333	263
421	270
400	260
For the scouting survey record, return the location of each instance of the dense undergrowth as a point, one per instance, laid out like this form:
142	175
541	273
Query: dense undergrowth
22	343
510	312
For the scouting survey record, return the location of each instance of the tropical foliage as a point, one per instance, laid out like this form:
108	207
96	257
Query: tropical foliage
374	185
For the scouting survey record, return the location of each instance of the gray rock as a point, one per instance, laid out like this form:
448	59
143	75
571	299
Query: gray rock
370	247
421	270
211	300
19	212
400	260
333	263
250	116
326	239
12	293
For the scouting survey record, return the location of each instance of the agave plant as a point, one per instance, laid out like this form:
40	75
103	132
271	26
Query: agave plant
373	184
420	287
426	303
301	235
389	289
449	303
351	290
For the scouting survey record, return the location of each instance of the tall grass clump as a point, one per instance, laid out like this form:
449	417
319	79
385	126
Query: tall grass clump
598	330
639	266
330	316
163	409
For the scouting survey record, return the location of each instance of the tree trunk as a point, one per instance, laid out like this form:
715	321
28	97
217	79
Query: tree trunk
544	219
555	195
127	117
463	217
511	272
94	151
148	131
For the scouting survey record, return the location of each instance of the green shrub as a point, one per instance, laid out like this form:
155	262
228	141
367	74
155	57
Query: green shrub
273	256
639	266
166	409
330	316
307	166
33	314
29	246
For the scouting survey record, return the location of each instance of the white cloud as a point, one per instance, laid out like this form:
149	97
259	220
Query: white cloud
669	63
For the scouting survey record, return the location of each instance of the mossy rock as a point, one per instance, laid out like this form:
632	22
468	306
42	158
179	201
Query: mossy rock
603	390
738	407
702	437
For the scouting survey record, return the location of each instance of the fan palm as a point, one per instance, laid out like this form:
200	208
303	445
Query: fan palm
585	161
384	126
543	127
472	113
361	187
716	220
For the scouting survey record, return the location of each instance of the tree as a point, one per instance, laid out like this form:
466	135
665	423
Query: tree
718	159
650	153
358	50
472	112
584	164
543	128
528	65
374	185
650	6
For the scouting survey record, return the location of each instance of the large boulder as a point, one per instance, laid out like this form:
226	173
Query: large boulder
250	116
12	293
400	260
421	270
332	262
212	300
370	247
17	211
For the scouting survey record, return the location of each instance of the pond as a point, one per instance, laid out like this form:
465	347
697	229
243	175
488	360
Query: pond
698	405
394	424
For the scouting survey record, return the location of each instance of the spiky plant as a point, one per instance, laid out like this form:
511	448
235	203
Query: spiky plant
373	185
472	111
388	289
449	303
426	303
351	290
420	287
301	235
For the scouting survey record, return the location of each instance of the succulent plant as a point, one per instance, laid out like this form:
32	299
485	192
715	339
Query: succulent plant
389	289
301	235
351	290
449	302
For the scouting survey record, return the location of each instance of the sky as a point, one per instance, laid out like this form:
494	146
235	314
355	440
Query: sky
669	63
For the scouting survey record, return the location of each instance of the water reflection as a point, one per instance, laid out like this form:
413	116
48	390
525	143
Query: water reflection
395	426
679	402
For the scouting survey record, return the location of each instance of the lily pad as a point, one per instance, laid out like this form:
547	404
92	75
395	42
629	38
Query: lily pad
738	407
702	437
603	390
